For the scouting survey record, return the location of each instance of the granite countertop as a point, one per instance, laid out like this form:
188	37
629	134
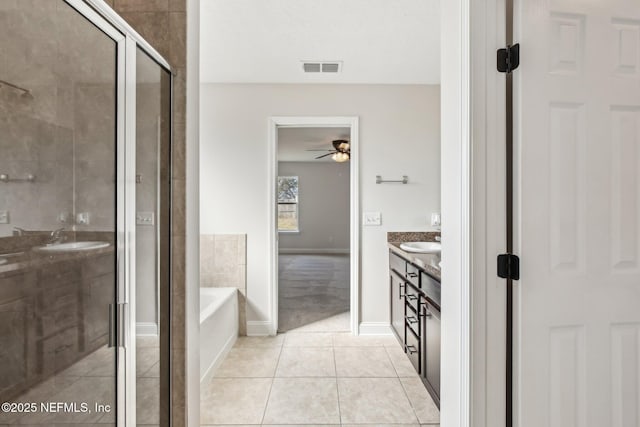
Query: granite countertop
30	259
425	262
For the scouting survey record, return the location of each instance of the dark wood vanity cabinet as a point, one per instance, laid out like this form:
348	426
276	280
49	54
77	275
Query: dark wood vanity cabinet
397	287
431	349
50	317
415	319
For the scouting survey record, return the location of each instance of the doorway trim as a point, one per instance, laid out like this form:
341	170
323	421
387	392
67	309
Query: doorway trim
275	123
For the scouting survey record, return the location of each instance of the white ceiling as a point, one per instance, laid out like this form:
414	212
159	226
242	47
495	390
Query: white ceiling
264	41
293	143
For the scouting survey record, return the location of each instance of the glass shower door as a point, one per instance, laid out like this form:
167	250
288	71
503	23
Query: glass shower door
58	215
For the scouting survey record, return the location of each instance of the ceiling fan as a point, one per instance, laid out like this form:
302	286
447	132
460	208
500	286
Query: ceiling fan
341	151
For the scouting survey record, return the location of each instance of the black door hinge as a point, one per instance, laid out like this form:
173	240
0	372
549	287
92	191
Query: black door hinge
509	266
509	58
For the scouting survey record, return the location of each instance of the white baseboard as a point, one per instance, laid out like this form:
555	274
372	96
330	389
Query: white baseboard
259	328
147	329
375	328
218	360
314	251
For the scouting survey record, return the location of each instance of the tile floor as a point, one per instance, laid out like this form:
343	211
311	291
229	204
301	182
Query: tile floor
316	378
92	379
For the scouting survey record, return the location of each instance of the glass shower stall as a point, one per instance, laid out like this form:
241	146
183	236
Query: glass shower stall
85	205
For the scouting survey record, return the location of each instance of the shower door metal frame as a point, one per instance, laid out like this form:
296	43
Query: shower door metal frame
127	41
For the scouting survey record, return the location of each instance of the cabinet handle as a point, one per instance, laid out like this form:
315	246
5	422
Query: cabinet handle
411	297
112	326
411	319
427	314
412	275
412	349
400	294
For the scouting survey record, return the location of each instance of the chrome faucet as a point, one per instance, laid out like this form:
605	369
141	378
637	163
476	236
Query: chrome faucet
17	231
56	236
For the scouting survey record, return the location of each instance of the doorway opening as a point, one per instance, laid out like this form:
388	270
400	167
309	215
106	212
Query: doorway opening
314	228
313	197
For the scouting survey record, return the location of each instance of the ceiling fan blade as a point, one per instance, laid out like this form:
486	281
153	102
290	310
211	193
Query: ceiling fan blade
325	155
318	150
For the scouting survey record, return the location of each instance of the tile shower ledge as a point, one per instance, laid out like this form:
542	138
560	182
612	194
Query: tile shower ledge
32	259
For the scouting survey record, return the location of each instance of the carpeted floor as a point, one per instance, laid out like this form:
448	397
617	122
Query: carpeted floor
313	293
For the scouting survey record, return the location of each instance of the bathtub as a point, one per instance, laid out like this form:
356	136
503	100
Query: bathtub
218	326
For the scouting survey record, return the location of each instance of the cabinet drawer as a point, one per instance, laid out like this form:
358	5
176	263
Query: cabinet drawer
397	263
431	288
412	320
58	274
59	351
413	350
413	275
98	266
412	297
64	316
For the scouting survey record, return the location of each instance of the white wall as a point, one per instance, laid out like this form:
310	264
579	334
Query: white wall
323	206
399	135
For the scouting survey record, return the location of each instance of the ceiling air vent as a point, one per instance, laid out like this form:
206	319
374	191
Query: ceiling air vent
311	67
330	67
321	67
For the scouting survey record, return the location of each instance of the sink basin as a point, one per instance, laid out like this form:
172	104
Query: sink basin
422	247
73	247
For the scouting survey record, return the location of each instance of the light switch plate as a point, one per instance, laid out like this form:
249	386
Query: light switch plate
145	218
435	219
372	218
4	217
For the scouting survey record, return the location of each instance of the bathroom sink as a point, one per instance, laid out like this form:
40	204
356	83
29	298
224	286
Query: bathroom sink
422	247
73	247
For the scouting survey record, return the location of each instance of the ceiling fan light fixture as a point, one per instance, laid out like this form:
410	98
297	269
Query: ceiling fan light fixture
340	157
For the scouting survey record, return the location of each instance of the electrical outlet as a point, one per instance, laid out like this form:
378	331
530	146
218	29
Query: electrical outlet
372	218
83	218
145	218
4	217
65	218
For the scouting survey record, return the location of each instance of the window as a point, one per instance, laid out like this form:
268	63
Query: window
287	203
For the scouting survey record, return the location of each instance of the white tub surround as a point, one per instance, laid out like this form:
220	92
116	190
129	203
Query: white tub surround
218	326
223	264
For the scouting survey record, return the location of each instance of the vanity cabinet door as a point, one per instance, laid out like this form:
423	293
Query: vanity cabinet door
398	288
432	351
16	351
17	334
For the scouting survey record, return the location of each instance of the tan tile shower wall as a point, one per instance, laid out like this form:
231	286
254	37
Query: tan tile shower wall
223	263
163	23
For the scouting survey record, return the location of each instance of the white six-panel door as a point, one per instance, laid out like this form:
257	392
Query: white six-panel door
578	219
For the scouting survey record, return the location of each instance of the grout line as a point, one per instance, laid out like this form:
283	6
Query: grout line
273	379
335	370
415	414
391	361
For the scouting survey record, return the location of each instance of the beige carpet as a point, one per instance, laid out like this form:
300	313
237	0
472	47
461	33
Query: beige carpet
313	293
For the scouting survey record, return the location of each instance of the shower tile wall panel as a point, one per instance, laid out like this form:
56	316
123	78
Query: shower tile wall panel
42	149
40	132
163	24
95	156
223	264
